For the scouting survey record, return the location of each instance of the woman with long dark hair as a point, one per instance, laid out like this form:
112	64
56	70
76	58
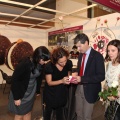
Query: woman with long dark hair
24	81
113	74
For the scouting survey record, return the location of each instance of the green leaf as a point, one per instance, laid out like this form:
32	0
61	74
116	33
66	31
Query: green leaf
111	91
114	93
100	93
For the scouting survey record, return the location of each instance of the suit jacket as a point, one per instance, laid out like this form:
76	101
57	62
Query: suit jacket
94	74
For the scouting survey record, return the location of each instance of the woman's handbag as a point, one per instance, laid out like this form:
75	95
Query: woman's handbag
111	110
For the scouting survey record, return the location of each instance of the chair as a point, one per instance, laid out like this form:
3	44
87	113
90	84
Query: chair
7	79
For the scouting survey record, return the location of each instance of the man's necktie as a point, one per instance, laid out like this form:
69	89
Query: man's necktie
82	65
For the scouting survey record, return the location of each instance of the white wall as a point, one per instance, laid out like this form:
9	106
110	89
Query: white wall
35	37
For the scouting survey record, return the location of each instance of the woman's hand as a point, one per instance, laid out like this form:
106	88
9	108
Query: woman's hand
65	80
17	102
111	98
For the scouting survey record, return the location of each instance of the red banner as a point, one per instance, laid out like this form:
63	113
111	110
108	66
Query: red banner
66	30
113	4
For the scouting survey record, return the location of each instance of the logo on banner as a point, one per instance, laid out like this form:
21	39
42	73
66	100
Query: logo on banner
100	38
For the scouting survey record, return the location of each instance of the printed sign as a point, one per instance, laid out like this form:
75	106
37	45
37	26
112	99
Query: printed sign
61	37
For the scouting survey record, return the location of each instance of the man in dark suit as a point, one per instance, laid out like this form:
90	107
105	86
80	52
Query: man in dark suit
89	81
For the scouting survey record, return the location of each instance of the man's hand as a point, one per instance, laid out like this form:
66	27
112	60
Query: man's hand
78	78
111	98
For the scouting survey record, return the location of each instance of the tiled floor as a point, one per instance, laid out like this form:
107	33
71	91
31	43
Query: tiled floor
98	113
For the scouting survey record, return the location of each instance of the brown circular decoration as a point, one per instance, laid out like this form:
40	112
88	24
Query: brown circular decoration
18	51
4	44
6	54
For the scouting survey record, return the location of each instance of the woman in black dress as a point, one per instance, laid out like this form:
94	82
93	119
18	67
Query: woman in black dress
57	73
24	81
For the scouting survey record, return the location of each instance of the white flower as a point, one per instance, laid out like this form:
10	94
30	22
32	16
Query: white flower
115	84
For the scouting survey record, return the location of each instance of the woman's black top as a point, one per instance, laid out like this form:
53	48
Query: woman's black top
56	96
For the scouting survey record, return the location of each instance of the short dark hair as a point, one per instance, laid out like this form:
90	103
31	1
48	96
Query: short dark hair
115	43
82	38
41	53
58	53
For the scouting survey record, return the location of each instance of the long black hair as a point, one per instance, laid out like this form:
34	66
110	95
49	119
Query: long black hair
40	53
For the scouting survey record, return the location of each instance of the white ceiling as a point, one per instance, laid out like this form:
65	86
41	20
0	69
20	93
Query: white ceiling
30	16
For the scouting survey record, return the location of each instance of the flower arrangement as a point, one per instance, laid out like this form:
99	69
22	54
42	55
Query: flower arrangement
110	91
